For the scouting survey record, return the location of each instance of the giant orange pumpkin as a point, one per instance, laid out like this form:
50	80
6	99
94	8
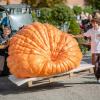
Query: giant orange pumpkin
42	50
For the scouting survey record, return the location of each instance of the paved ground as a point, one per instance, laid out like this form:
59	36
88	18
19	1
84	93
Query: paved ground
77	88
83	87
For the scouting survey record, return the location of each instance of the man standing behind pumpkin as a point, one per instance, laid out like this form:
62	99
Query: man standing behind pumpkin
94	34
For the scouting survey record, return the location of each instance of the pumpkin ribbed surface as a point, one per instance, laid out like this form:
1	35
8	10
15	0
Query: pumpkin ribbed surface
42	50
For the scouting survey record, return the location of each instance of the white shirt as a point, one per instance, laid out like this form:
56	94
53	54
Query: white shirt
95	39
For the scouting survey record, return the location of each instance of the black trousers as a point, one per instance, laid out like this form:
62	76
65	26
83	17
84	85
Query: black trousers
97	65
4	52
5	71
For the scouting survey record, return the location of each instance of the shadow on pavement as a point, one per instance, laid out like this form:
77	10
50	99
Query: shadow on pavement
7	87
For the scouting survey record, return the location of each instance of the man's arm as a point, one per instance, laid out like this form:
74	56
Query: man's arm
77	36
82	36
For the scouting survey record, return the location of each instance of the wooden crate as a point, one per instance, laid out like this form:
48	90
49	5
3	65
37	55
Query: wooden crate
38	80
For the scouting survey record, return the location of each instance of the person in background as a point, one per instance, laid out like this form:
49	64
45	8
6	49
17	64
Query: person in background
0	23
5	35
83	17
1	17
5	22
4	38
96	14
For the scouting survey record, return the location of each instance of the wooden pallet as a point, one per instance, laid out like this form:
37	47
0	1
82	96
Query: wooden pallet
38	80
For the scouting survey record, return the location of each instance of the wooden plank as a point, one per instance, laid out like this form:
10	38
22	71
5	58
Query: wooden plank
91	70
30	84
31	81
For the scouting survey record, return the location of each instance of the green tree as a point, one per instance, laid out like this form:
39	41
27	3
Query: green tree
34	16
94	3
97	4
45	15
51	3
61	14
88	9
77	10
74	27
33	3
43	3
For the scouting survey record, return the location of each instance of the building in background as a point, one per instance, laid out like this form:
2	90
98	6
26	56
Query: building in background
14	1
70	3
5	2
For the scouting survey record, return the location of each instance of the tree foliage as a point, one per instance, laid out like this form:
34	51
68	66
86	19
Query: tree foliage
88	9
43	3
45	15
61	13
51	3
94	3
77	10
74	27
97	4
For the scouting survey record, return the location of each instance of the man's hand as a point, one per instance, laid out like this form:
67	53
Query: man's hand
3	46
